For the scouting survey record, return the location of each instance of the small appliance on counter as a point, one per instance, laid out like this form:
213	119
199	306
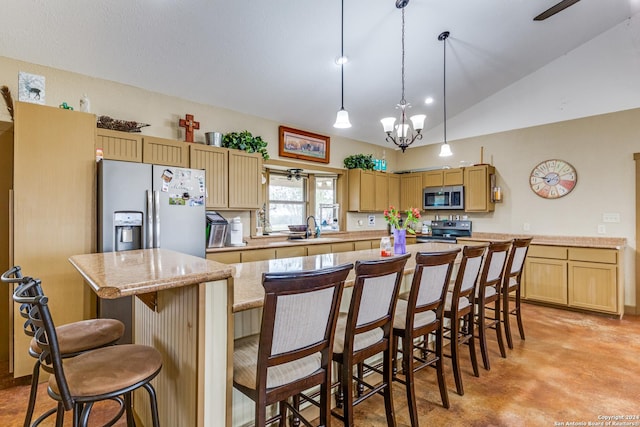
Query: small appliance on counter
217	228
235	232
446	231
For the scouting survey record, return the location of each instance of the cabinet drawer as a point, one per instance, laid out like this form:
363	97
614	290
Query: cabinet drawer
551	252
324	248
607	256
362	245
258	255
290	252
225	257
342	247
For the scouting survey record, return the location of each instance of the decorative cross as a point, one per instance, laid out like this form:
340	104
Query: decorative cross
189	125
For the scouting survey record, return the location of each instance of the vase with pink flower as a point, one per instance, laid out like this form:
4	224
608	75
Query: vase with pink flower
401	227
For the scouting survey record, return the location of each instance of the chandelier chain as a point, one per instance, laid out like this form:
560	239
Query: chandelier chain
403	101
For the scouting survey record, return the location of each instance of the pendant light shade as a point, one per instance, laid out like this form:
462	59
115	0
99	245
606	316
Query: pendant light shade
342	118
445	149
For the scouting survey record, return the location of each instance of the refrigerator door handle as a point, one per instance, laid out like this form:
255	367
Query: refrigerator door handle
149	227
156	218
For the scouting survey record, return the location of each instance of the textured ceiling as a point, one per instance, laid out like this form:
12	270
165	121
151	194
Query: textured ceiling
276	59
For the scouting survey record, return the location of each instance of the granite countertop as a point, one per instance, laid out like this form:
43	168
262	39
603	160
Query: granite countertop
117	274
574	241
281	239
248	290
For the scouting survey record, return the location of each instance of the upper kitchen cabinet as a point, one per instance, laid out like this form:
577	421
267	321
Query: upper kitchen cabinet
477	191
117	145
441	177
215	162
245	180
394	190
381	191
168	152
54	210
362	192
411	191
233	177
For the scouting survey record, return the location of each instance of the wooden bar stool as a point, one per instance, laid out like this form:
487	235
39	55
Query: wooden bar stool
73	339
511	284
365	331
292	353
488	291
459	311
107	373
419	316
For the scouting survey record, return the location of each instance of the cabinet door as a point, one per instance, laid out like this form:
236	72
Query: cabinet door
54	211
432	178
215	162
381	193
394	190
410	191
245	180
258	255
116	145
477	192
362	190
453	176
361	245
167	152
324	248
291	251
546	280
225	257
341	247
593	286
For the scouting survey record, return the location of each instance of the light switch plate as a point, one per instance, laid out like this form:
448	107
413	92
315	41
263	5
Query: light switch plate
602	229
611	217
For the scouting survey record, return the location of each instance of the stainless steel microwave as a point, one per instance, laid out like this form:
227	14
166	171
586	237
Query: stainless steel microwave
448	197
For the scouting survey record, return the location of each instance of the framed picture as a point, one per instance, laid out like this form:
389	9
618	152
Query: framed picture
31	88
303	145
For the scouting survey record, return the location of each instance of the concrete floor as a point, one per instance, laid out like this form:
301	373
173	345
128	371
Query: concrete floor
573	367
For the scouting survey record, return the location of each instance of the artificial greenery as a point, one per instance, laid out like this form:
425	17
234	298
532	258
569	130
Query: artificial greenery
247	142
359	161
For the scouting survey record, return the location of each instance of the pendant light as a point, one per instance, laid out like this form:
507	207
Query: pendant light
342	118
405	134
445	149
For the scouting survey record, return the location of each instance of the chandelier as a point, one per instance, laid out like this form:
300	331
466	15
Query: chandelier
405	135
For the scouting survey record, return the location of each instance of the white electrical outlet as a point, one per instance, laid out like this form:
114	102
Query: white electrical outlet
611	217
526	226
602	229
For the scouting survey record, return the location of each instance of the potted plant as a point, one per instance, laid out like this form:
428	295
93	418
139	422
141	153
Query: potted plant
359	161
393	217
247	142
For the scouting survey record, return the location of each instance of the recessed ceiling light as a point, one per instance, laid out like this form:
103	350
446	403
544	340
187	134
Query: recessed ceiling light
340	60
429	100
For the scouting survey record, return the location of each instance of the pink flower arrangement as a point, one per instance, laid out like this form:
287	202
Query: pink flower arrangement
392	216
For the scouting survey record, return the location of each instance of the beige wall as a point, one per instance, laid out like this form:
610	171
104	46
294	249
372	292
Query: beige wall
600	148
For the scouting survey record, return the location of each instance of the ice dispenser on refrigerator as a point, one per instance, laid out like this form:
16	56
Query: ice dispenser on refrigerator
128	231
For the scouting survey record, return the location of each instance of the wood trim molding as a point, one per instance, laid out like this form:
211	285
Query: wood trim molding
636	157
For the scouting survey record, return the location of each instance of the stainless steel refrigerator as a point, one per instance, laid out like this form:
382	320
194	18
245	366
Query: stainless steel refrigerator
142	206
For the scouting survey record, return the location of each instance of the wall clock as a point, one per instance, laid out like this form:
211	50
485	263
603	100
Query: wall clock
553	179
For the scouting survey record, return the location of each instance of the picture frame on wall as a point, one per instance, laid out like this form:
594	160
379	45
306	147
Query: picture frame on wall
299	144
31	88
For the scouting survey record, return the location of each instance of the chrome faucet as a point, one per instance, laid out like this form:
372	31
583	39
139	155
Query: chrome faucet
315	227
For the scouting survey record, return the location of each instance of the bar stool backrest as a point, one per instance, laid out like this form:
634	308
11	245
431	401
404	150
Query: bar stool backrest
298	319
517	256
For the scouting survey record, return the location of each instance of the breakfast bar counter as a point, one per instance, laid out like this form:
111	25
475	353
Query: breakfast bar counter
183	309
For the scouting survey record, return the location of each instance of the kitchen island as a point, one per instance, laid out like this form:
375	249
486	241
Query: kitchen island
183	309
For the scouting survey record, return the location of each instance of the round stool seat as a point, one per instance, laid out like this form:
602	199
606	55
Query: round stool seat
84	335
108	370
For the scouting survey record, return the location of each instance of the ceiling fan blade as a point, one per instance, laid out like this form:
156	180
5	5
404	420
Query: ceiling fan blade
555	9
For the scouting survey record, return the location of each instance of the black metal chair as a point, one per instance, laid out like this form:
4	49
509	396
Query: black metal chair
74	338
107	373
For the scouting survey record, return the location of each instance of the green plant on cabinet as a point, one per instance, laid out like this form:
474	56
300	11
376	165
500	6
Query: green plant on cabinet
359	161
245	141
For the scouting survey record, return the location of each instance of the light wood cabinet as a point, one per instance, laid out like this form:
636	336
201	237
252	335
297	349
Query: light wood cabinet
381	191
477	191
362	197
258	255
168	152
245	180
394	190
362	245
583	278
117	145
215	162
341	247
225	257
411	191
291	251
54	211
440	177
323	248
